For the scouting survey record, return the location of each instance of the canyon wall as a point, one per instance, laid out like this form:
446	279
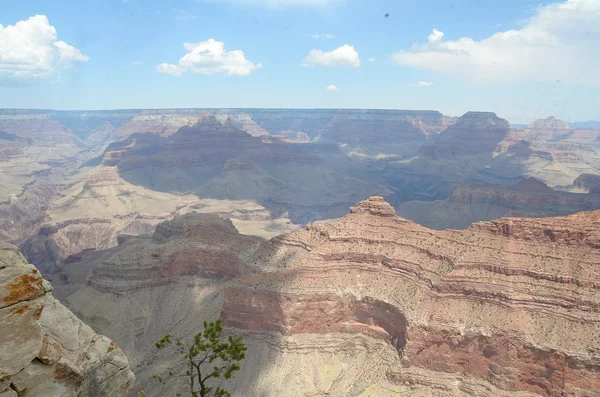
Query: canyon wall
468	203
370	304
498	303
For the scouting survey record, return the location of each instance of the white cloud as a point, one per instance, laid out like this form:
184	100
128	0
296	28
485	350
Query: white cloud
30	49
68	54
345	55
559	42
137	63
331	88
279	3
422	84
182	15
371	59
210	57
436	35
322	36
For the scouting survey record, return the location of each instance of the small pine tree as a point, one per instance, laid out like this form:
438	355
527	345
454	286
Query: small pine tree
206	358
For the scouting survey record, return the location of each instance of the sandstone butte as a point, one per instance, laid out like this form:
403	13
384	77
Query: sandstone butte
44	349
372	304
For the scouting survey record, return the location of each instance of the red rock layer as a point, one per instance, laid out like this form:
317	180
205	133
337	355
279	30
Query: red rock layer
515	302
328	313
195	244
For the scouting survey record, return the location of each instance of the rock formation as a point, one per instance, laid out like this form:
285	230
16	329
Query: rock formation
481	148
589	182
549	123
465	151
370	304
35	152
95	211
473	133
500	302
240	120
568	151
67	186
203	245
44	349
468	203
326	123
363	134
220	161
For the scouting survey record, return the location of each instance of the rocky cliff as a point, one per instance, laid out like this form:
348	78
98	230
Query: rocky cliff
468	203
44	349
569	151
473	133
481	148
100	206
499	302
220	161
589	182
36	152
466	151
370	304
549	123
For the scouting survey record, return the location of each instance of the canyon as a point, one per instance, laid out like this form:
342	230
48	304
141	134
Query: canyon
466	268
368	304
292	166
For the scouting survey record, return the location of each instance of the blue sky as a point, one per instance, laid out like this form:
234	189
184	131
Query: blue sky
112	50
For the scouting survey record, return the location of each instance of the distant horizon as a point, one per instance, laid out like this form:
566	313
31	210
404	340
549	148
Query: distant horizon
520	123
525	59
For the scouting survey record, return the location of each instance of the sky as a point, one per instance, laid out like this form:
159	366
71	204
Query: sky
522	59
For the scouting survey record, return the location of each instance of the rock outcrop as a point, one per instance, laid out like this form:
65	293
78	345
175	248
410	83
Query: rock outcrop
370	304
465	151
589	182
513	302
568	152
44	349
481	148
309	181
374	205
202	245
473	133
468	203
549	123
100	205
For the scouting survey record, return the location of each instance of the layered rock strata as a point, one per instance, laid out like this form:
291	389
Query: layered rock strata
370	304
100	206
44	349
468	203
308	181
513	302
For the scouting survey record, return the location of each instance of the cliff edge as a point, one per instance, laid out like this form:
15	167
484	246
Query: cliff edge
45	350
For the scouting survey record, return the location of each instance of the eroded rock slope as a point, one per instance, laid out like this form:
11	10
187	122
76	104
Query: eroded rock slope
370	304
470	203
